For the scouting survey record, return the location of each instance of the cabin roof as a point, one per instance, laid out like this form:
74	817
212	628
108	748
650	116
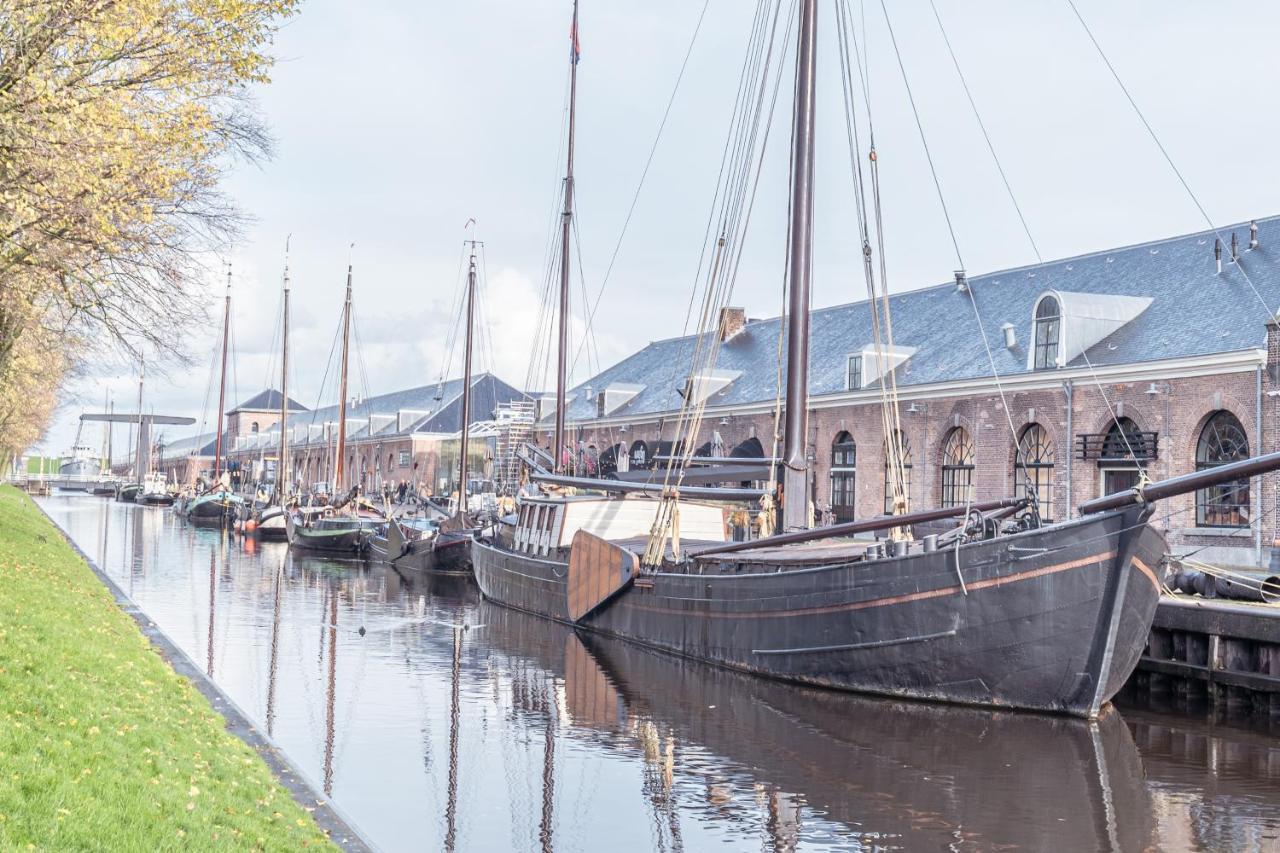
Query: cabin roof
1193	311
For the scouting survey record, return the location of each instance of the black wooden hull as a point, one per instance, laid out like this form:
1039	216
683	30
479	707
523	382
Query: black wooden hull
128	493
345	542
1048	620
451	552
210	510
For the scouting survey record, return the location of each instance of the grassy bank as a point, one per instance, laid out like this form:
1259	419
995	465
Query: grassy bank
102	745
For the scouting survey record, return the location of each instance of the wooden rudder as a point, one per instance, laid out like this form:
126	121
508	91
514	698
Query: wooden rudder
598	570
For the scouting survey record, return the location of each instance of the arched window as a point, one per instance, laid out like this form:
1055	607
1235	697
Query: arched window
1123	456
844	457
1048	326
897	478
957	469
1033	468
639	455
1221	441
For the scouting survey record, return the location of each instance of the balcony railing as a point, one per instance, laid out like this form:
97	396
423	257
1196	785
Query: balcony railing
1116	447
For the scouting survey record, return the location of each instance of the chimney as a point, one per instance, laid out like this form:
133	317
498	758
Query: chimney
732	320
1217	253
1253	234
1235	248
962	282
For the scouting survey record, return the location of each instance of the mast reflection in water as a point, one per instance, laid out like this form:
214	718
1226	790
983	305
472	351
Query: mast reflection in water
437	721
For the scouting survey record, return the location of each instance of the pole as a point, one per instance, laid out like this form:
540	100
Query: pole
1185	483
222	384
466	385
795	482
566	221
143	432
339	465
282	463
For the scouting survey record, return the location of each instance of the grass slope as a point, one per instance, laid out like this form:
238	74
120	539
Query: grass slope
102	745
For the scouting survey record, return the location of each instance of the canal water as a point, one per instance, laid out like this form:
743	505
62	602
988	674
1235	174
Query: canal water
437	721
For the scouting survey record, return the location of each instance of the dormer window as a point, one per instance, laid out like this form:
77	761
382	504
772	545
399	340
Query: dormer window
1048	331
853	373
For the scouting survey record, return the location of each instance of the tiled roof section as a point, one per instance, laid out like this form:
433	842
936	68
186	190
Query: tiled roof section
441	403
1195	312
267	401
196	445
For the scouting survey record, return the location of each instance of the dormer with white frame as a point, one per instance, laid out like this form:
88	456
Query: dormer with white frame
614	396
1065	324
702	384
871	368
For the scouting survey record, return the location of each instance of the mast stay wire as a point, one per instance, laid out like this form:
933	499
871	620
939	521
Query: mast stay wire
1164	153
737	202
644	173
540	356
950	227
1018	451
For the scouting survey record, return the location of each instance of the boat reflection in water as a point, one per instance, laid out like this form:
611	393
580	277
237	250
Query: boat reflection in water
438	721
864	771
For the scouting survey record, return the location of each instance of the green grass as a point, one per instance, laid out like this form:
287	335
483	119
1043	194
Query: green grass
102	745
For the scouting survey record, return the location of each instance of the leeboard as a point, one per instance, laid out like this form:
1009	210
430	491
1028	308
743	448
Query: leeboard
598	570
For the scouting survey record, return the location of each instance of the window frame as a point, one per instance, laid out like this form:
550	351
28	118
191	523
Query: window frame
905	444
1039	470
1212	508
957	468
852	369
844	477
1047	334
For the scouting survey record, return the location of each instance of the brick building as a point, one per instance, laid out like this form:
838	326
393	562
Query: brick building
1155	359
410	435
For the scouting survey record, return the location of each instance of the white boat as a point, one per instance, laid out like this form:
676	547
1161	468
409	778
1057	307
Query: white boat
155	490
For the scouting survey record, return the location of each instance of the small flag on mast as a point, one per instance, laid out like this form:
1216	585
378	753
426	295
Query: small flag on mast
575	50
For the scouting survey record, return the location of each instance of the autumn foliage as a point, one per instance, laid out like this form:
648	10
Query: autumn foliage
118	121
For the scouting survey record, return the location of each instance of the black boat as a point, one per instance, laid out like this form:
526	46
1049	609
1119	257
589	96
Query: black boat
217	506
128	492
345	535
405	543
1001	609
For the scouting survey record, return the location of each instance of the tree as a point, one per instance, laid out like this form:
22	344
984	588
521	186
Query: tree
118	120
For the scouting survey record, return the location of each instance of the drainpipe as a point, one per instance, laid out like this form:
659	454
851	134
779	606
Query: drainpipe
1069	389
1257	493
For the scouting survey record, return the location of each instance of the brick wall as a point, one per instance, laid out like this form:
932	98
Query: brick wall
1176	409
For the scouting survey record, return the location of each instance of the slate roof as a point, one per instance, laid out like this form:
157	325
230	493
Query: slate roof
441	404
267	401
1194	312
202	444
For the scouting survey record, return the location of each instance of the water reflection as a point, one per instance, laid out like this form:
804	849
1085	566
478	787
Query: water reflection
436	720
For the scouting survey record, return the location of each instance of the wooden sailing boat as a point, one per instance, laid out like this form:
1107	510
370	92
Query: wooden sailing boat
1050	617
335	533
268	520
218	503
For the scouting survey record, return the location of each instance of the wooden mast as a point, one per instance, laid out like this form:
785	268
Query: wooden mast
222	384
143	438
795	482
339	465
282	462
566	221
466	386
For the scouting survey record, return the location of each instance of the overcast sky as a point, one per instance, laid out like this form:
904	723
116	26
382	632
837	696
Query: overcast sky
398	121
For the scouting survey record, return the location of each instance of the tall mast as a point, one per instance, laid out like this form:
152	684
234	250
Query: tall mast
342	391
104	466
566	221
111	410
795	482
282	463
466	385
222	383
143	438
